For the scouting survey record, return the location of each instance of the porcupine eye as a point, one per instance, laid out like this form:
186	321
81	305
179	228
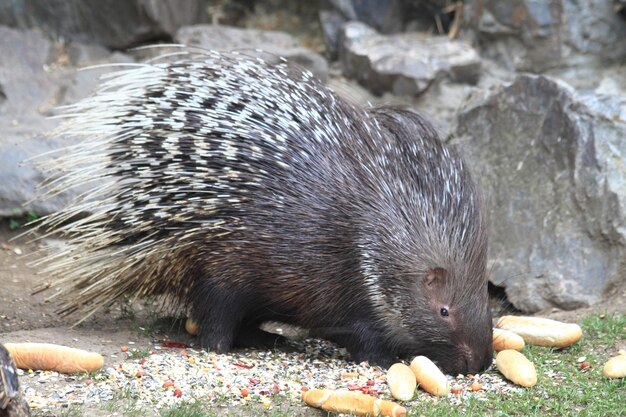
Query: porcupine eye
444	312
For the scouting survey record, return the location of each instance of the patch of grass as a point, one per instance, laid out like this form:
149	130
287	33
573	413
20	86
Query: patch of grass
138	353
563	388
195	409
200	409
19	220
156	323
605	329
126	393
126	409
111	406
127	312
134	410
124	405
72	411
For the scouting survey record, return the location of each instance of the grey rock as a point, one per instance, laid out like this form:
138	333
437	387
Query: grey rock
35	78
550	161
88	64
442	102
114	23
273	45
28	91
331	22
384	16
82	55
604	79
227	38
20	141
392	16
24	81
405	64
535	36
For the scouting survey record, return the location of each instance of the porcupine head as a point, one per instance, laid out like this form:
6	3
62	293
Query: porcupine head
249	193
423	257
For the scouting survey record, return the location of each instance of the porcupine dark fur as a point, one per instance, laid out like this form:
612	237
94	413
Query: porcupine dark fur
248	193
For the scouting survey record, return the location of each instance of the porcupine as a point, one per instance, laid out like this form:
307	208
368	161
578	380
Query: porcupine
248	193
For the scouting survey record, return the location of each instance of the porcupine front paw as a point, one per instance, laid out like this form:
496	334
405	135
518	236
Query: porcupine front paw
382	359
219	312
361	340
219	343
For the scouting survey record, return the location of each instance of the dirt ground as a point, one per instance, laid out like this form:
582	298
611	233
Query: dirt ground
30	317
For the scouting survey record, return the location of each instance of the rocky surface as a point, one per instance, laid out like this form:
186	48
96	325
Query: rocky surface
36	76
392	16
530	35
115	24
551	165
274	45
407	63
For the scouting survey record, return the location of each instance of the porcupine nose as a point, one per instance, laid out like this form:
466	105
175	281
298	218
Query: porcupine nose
476	360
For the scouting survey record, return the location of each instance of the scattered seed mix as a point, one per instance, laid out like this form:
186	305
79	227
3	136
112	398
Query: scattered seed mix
173	373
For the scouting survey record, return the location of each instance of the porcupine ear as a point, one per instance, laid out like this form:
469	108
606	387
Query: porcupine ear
435	278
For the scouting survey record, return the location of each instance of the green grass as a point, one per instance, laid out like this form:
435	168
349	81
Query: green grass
70	412
138	353
155	324
123	405
198	409
563	389
605	330
19	219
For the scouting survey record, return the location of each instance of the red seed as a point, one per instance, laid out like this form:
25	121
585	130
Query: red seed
371	382
585	365
168	384
244	392
124	348
456	390
139	374
176	345
243	365
254	381
304	389
178	393
476	386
